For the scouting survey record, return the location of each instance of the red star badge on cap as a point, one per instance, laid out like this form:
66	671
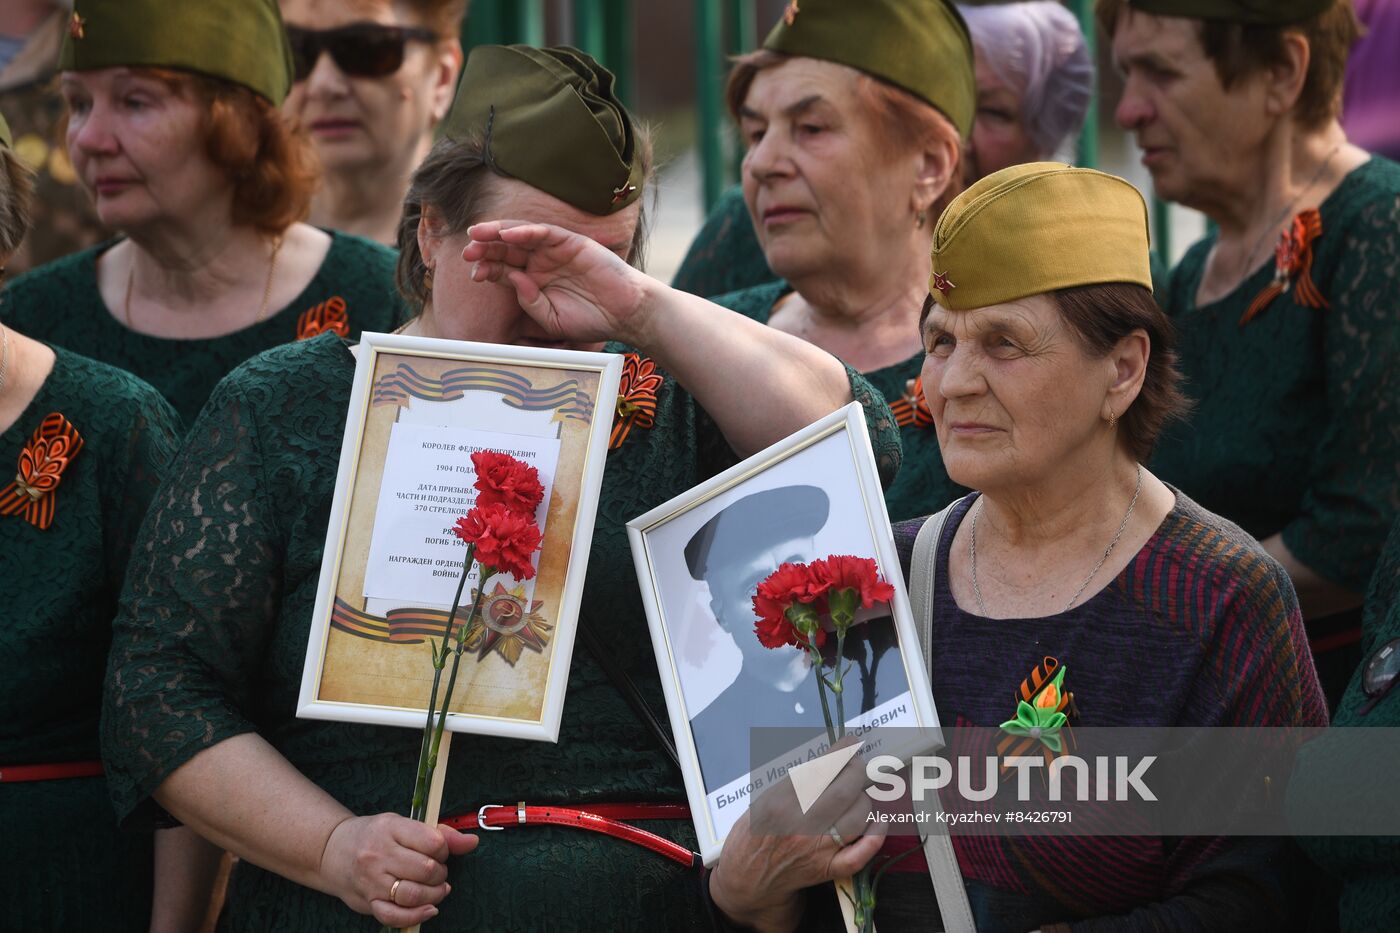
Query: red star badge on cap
791	12
942	283
75	26
620	193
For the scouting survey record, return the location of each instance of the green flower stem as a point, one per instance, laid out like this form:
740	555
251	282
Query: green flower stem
422	779
840	677
816	655
486	574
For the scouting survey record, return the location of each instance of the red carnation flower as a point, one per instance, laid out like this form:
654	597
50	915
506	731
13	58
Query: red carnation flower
501	478
843	572
785	588
505	540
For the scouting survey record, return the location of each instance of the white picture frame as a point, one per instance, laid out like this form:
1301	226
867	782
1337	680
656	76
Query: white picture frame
367	656
672	547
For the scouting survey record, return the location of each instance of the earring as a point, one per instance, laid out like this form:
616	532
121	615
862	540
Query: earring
920	219
1113	420
428	279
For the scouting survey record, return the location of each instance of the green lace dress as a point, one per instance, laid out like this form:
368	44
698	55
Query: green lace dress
213	632
1297	421
353	291
64	866
923	486
1367	866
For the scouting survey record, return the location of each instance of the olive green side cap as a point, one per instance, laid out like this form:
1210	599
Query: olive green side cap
1251	12
1035	228
551	118
242	41
922	46
6	139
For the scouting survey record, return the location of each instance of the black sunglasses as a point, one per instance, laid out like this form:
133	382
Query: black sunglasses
361	50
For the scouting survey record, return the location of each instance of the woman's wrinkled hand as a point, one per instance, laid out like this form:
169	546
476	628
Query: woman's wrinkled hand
574	287
775	850
365	855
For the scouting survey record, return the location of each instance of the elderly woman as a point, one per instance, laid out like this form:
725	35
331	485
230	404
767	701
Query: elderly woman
854	115
371	82
215	617
83	447
174	131
1034	84
1049	373
1288	334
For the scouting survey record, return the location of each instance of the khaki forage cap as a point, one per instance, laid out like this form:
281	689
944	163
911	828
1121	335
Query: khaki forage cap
550	118
6	140
1032	229
1253	12
242	41
922	46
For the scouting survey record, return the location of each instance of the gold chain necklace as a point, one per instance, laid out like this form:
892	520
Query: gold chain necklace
977	511
267	286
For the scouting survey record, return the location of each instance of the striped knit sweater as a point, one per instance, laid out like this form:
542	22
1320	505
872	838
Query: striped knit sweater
1202	628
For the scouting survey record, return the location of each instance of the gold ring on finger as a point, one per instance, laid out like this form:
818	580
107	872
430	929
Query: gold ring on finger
394	892
836	837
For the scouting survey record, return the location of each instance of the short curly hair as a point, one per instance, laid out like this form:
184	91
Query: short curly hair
272	164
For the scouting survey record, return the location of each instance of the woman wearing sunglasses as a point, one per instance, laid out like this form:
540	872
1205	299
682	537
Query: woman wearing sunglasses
173	128
371	81
209	645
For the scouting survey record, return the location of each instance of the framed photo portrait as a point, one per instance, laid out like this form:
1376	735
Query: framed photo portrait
418	410
700	558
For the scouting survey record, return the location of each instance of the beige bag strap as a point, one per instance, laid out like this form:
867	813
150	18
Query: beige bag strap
938	847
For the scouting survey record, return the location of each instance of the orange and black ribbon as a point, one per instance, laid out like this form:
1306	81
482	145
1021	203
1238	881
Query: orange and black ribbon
41	466
1032	687
567	398
328	315
1293	259
912	408
636	398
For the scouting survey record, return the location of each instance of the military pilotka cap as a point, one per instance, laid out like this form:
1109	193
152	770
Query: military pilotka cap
922	46
6	140
241	41
550	118
1250	12
1036	228
756	523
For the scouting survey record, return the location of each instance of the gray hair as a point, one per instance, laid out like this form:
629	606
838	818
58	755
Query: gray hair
1040	52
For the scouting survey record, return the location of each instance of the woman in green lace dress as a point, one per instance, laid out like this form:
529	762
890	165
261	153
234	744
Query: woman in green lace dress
213	632
1289	337
82	447
173	129
854	147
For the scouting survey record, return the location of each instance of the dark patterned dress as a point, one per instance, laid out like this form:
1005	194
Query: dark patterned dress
923	486
1367	866
1200	629
353	291
1297	421
64	866
213	632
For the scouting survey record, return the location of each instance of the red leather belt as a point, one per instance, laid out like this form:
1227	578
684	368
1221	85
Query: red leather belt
600	818
14	774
